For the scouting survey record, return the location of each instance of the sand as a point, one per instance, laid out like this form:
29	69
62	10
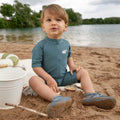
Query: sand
103	65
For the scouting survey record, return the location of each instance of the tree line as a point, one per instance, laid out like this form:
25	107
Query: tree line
110	20
21	15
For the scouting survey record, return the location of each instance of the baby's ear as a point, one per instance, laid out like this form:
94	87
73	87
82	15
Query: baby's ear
66	26
42	26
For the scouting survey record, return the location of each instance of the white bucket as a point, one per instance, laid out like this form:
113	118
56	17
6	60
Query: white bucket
11	85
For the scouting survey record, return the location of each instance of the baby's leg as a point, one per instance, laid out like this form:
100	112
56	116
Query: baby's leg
86	83
91	97
39	86
58	104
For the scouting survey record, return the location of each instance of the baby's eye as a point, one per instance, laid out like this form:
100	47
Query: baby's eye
58	19
48	20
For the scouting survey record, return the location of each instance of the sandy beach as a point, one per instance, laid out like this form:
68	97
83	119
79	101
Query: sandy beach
103	65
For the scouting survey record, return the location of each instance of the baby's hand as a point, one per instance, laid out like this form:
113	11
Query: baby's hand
75	69
53	85
78	69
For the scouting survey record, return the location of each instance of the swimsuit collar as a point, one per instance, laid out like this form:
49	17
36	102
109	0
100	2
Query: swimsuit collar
57	41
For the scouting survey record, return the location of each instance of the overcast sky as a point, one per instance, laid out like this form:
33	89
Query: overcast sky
88	8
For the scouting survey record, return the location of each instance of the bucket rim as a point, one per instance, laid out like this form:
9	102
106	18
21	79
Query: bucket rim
14	79
5	80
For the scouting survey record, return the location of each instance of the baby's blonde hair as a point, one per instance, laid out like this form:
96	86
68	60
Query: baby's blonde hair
58	10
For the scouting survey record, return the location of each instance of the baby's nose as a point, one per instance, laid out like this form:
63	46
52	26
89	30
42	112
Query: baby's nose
53	22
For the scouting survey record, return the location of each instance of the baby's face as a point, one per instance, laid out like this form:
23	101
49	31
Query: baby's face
53	25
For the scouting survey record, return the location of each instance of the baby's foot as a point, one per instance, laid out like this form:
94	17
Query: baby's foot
99	100
58	105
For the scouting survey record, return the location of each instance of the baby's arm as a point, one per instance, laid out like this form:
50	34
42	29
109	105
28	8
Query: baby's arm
48	78
72	66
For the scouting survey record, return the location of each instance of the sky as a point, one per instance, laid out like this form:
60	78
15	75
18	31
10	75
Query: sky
88	8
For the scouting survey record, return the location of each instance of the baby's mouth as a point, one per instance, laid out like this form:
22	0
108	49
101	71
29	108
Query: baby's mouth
54	29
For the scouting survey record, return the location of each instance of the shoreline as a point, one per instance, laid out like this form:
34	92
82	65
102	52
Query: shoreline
103	65
17	48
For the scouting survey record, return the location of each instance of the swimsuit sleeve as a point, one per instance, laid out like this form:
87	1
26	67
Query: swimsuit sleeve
37	56
69	51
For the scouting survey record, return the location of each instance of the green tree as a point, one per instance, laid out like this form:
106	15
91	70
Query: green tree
74	18
79	18
99	21
85	21
93	21
7	10
36	18
112	20
22	15
4	23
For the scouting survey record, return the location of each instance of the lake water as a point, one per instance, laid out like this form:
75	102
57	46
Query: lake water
82	35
